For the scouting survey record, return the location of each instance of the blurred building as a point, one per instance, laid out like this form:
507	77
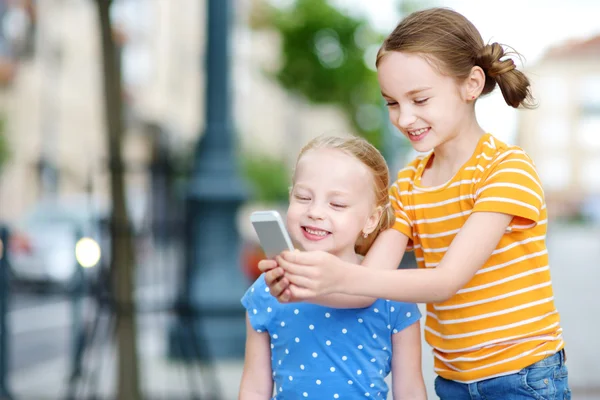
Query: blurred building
54	107
563	134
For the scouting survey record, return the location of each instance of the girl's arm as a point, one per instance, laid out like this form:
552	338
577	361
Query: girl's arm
257	382
316	273
407	374
385	253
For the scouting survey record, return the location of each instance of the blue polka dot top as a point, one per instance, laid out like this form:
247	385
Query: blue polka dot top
326	353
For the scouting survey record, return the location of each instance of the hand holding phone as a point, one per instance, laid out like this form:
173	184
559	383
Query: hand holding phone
271	232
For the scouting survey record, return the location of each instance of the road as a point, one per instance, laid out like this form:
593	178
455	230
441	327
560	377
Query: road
39	327
40	322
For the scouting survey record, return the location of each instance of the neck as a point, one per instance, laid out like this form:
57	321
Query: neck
451	155
348	255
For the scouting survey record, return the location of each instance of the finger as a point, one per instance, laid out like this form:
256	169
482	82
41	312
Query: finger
273	275
291	268
266	265
285	297
288	292
302	281
279	286
302	257
300	293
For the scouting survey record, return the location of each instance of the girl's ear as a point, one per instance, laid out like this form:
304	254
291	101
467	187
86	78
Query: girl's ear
473	85
373	221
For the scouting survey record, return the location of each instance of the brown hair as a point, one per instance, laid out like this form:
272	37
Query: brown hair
367	154
451	42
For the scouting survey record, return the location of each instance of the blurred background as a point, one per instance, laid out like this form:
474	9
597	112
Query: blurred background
137	135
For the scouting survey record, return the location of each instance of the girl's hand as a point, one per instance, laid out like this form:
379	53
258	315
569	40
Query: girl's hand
275	280
311	273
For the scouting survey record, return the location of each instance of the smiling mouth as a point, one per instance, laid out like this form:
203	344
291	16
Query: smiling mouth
317	232
417	134
314	233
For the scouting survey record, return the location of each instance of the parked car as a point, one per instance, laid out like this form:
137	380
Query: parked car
43	243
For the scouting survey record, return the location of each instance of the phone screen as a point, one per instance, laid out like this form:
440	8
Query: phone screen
271	238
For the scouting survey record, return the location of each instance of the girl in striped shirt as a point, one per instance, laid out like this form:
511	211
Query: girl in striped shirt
472	209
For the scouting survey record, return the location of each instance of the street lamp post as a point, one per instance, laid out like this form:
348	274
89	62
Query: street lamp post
4	331
211	315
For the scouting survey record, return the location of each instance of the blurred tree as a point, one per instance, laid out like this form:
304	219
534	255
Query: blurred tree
328	57
4	152
269	177
122	261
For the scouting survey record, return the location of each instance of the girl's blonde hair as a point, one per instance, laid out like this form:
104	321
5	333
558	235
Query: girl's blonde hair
367	154
451	42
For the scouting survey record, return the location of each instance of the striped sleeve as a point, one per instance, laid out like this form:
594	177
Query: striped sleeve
512	187
403	224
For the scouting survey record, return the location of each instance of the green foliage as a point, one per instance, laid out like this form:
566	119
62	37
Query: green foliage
268	176
323	55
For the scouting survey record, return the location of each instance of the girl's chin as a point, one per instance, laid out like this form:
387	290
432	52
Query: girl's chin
314	246
422	147
306	245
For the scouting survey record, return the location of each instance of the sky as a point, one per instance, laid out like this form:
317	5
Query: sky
529	26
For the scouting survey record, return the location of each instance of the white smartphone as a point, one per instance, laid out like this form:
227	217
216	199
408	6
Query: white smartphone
271	232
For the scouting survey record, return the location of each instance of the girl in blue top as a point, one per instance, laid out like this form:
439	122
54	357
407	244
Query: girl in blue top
338	203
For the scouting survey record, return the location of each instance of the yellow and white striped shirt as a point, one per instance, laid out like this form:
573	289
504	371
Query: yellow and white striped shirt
504	319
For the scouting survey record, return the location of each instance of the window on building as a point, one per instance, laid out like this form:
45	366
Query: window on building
553	131
590	174
588	133
134	20
555	172
590	94
553	91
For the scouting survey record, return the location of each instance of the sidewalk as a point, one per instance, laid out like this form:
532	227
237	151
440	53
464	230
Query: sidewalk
159	377
574	254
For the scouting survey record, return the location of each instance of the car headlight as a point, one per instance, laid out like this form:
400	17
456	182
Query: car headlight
87	252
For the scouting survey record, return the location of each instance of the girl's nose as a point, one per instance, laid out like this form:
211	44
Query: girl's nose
406	119
316	212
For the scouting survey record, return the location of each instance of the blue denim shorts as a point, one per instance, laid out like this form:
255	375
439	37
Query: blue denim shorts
545	380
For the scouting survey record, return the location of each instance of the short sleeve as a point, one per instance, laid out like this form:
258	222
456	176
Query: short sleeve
512	186
403	315
260	304
402	223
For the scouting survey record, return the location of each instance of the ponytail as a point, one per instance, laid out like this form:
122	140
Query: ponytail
500	69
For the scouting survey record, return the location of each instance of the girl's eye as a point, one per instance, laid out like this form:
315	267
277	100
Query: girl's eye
421	101
337	205
391	103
